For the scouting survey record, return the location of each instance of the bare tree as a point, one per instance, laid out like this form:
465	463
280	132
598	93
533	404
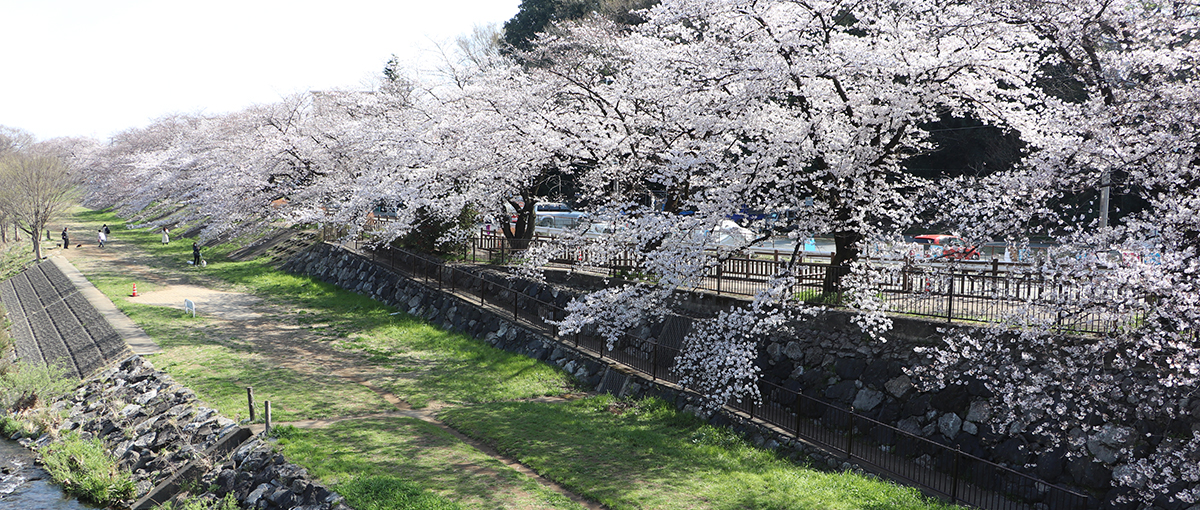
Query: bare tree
35	189
14	139
481	45
11	140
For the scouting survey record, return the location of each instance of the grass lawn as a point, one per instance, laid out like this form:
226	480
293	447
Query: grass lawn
407	449
646	454
422	364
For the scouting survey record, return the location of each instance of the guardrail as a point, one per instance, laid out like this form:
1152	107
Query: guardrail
938	469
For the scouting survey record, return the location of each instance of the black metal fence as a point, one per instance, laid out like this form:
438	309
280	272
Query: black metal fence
935	467
965	291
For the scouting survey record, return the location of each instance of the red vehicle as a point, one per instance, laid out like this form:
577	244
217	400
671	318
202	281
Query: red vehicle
949	246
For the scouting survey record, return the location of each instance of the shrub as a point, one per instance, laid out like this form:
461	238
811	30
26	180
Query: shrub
9	426
24	386
431	232
85	470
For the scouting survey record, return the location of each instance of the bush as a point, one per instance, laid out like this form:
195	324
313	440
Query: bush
9	426
85	470
430	233
24	386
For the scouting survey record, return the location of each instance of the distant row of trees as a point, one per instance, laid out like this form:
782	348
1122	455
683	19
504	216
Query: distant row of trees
822	109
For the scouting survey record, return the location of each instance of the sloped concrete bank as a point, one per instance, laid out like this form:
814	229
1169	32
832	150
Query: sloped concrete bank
826	358
158	430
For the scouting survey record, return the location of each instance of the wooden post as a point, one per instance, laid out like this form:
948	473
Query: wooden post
250	401
267	415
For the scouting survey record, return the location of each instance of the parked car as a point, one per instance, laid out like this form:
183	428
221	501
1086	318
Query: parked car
947	246
552	226
547	210
730	234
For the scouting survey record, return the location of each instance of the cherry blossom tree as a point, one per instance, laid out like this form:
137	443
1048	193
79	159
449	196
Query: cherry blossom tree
1130	113
775	105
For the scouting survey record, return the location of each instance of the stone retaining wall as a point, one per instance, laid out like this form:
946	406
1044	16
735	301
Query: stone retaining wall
158	430
352	272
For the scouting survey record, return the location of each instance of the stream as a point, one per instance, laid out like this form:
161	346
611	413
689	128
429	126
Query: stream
24	486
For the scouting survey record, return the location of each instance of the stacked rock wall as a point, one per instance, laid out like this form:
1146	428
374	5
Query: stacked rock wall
158	430
357	274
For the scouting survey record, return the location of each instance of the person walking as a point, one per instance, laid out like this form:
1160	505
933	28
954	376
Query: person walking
166	236
101	237
195	254
66	239
105	229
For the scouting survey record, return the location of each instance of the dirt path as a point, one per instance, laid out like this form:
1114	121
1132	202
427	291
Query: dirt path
251	319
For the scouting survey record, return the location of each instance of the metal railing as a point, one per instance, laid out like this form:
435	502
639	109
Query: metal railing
937	469
964	291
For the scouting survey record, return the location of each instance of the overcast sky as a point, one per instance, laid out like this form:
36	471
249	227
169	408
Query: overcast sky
97	67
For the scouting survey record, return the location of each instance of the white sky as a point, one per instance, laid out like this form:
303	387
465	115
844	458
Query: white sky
97	67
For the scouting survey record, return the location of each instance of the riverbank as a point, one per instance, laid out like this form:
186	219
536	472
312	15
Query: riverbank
25	485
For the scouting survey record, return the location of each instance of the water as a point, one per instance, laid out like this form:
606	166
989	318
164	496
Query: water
24	486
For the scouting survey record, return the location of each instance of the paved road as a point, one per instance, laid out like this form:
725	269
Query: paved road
53	322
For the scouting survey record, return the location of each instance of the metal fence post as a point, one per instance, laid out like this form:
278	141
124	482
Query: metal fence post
850	437
799	407
954	487
654	363
950	299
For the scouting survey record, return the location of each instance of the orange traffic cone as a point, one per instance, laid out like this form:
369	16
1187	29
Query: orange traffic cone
135	290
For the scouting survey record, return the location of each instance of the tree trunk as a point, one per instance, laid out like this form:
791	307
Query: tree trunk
846	243
520	234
